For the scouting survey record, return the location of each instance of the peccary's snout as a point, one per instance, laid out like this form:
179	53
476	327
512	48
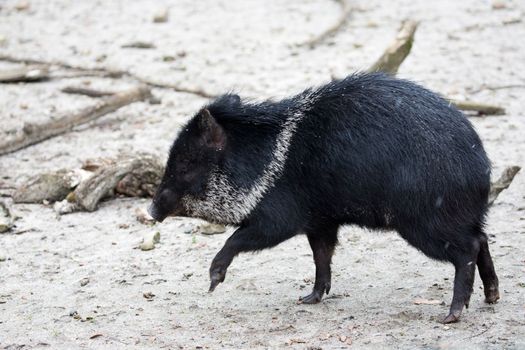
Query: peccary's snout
154	213
163	205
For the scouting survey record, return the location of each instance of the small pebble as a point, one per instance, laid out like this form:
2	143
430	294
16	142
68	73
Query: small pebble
148	295
22	5
149	242
161	16
211	229
498	4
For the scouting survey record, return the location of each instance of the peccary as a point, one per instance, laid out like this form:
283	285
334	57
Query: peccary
370	150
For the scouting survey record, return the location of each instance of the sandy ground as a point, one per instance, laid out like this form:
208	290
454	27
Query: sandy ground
464	49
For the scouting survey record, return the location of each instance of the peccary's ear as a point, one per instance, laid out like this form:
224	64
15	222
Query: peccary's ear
233	99
211	132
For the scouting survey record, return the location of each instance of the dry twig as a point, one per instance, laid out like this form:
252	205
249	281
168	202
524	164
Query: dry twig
86	91
479	108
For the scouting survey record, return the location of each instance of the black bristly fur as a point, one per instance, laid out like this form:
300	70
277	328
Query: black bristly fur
369	150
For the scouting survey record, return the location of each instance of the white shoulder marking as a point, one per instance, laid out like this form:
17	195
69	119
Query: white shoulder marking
223	203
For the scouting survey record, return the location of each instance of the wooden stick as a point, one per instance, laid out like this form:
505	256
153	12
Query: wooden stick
86	91
396	53
90	192
24	74
503	182
35	133
480	108
343	18
136	175
51	186
143	171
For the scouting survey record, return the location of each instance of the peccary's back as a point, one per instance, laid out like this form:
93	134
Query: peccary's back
377	150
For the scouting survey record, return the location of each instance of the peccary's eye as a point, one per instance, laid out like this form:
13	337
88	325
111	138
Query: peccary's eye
182	168
189	175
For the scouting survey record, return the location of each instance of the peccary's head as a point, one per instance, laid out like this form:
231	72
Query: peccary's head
197	150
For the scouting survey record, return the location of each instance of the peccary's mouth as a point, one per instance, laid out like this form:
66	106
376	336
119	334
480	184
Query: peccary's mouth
159	216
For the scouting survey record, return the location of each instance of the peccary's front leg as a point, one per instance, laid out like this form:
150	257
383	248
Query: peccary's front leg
244	239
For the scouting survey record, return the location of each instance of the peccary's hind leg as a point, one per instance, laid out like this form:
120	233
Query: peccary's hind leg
465	264
487	272
322	242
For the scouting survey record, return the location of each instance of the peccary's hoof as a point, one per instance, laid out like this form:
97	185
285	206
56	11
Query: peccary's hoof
216	276
213	284
492	296
451	318
312	298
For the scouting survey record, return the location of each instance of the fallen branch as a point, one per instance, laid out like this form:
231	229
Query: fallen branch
82	189
479	108
24	74
104	72
90	192
86	91
51	187
396	53
319	39
35	133
137	176
78	90
503	182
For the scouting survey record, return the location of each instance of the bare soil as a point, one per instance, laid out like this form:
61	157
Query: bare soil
137	299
